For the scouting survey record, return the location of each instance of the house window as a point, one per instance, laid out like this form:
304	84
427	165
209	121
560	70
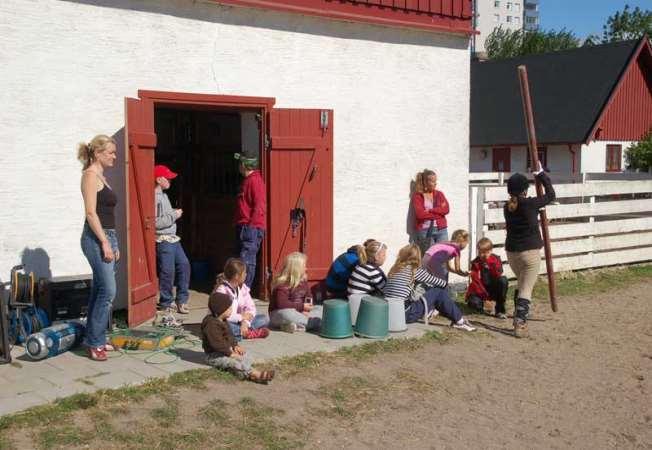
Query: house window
517	20
542	154
497	4
496	18
508	19
614	158
509	5
531	20
517	7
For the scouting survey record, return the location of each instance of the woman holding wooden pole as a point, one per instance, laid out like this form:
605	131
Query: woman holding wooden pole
523	244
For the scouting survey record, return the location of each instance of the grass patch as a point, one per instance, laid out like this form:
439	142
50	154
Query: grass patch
63	436
258	428
168	412
350	396
214	412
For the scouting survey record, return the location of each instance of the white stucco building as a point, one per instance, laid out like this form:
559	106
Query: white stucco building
393	88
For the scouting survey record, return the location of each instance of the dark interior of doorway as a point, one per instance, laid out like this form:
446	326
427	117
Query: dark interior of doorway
199	144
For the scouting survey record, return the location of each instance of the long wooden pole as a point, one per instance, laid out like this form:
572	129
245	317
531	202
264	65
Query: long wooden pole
534	157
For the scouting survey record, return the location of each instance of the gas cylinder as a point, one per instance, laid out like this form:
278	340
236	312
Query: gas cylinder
54	340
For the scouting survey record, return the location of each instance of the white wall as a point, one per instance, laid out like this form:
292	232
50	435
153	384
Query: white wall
401	102
594	155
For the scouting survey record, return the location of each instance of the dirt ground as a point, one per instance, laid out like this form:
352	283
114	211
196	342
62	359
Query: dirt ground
582	380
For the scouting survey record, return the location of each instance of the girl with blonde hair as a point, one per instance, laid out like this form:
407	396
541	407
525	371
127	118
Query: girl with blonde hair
99	241
437	259
430	211
407	281
368	277
291	307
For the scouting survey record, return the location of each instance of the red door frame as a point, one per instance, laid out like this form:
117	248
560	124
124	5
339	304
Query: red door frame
152	99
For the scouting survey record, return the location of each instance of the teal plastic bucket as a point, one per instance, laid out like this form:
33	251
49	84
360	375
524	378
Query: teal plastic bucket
373	318
336	320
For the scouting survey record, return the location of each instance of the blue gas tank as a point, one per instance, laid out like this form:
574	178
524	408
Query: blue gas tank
54	340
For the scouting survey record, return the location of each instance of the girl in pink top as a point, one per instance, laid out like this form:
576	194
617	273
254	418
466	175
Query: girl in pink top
437	259
244	322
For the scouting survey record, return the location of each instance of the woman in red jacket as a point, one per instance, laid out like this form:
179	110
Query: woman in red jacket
430	210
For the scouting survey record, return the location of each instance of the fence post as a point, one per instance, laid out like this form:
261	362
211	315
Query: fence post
476	218
591	229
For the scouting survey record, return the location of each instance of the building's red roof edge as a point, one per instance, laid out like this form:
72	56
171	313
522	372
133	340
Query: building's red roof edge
644	43
457	22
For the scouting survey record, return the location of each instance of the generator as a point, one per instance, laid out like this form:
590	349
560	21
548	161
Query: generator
65	297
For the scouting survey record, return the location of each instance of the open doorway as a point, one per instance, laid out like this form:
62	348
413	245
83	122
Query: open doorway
199	143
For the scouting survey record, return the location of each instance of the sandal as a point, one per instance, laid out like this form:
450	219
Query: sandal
109	347
264	376
182	308
97	353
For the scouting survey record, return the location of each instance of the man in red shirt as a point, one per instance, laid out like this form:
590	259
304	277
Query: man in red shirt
250	214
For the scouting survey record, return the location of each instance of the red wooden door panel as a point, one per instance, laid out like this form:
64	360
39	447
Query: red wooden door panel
143	282
301	171
501	160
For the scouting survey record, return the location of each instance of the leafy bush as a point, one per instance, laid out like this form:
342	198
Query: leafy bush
639	155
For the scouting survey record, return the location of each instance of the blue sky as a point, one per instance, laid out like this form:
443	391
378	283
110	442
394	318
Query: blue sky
583	17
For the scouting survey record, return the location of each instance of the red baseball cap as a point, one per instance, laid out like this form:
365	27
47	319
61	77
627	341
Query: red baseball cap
163	171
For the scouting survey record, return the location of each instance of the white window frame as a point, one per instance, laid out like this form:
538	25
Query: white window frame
496	18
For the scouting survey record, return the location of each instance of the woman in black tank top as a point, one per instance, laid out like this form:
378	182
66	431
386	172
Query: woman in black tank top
99	241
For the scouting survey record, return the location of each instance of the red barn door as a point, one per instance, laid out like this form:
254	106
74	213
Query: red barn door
141	244
301	177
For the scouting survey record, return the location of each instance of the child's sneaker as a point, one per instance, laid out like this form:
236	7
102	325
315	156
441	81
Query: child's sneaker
520	329
464	325
289	327
169	321
258	333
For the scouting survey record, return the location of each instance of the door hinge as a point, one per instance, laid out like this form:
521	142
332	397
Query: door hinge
268	142
259	117
323	123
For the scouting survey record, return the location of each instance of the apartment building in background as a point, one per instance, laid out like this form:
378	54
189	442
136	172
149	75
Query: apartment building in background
531	15
512	15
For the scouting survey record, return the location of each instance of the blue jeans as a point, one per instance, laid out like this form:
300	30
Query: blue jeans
259	321
436	298
171	260
249	239
103	289
425	242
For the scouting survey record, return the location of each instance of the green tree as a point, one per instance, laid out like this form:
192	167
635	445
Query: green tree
503	43
627	25
639	155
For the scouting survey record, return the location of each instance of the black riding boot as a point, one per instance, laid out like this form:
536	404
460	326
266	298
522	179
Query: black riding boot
520	317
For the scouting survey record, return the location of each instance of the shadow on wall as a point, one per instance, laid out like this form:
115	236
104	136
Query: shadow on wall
228	15
409	218
36	260
117	179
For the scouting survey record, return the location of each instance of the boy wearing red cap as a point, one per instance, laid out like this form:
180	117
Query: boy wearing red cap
171	260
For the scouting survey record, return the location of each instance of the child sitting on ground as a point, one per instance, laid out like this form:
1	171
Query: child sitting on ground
244	321
488	284
220	346
340	270
368	277
403	280
291	307
438	257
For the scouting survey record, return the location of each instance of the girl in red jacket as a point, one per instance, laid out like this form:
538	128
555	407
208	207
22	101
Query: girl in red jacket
430	210
291	307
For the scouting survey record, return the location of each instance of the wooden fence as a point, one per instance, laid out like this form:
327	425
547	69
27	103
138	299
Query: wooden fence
592	224
500	178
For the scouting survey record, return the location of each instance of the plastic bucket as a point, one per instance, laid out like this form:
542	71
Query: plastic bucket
396	315
354	306
373	318
336	320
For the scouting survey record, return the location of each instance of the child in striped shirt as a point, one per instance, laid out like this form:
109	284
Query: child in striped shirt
404	276
368	277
